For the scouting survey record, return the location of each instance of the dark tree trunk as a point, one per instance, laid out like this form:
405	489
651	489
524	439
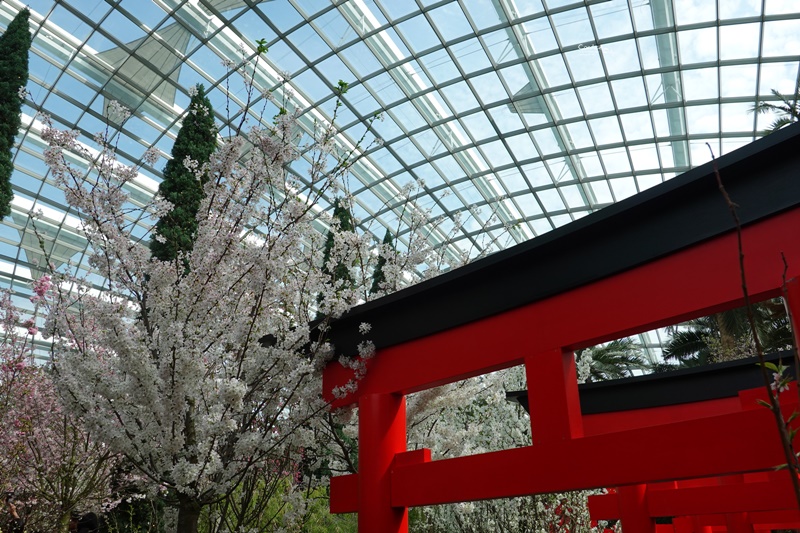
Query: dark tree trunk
188	514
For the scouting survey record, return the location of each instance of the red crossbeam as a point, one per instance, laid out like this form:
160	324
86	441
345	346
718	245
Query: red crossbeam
656	294
772	495
643	455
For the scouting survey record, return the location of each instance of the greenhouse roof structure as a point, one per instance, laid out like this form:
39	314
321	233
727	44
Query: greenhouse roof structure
500	120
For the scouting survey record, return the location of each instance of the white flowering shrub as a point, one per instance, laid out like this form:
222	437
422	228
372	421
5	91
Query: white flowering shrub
204	371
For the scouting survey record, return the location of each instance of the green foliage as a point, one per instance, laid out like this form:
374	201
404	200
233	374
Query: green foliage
261	46
135	516
613	360
378	277
726	336
260	503
197	139
340	272
14	46
787	109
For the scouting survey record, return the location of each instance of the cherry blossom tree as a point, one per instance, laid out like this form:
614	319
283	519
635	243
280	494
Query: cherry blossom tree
47	458
203	368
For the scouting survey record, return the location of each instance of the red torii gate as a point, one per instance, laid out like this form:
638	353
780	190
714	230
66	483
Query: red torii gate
538	302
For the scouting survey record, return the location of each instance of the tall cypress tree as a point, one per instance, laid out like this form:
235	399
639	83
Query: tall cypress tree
197	139
14	46
340	271
378	277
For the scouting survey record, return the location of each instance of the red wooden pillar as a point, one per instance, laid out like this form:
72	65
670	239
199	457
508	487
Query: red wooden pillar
381	435
699	527
736	522
633	509
553	400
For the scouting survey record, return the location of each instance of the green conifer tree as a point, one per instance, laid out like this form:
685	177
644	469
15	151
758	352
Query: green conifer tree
378	277
197	140
340	271
14	46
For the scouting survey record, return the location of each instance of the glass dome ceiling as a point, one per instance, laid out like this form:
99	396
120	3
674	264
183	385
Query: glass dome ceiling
510	118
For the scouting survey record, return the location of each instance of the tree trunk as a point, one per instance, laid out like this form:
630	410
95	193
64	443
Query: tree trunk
188	514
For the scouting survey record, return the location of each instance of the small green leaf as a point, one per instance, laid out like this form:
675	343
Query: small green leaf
764	403
262	46
769	365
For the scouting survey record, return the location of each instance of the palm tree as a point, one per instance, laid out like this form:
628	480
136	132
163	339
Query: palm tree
727	335
613	360
788	110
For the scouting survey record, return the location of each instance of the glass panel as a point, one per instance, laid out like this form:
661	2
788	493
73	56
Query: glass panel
522	146
590	162
506	120
546	141
649	51
647	181
702	119
737	117
612	18
740	9
584	63
579	135
615	160
361	58
450	21
555	72
460	97
489	88
384	88
777	7
540	34
596	98
419	33
568	105
602	192
691	11
499	45
573	27
738	80
308	43
700	84
779	76
637	125
621	57
644	157
470	56
606	130
496	154
698	46
629	93
551	200
396	9
478	126
573	196
440	66
483	13
519	79
780	38
623	187
739	41
529	7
